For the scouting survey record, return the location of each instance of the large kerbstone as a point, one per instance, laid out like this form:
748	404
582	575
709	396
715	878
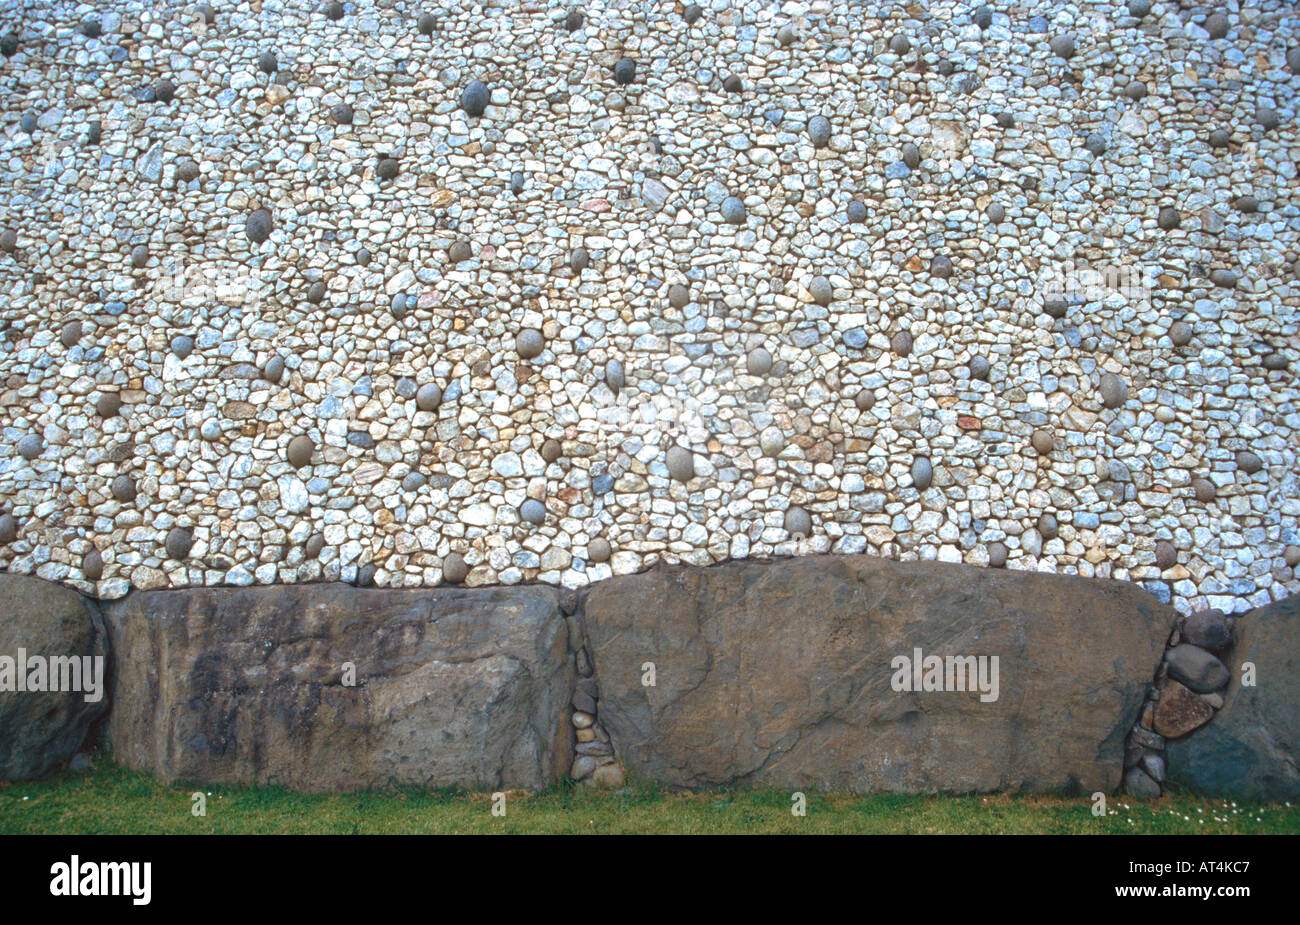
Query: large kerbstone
243	685
41	730
779	674
1251	749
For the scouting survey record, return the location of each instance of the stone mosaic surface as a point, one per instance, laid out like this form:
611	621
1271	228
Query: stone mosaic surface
500	292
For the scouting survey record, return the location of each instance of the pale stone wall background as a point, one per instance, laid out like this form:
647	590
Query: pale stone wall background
115	251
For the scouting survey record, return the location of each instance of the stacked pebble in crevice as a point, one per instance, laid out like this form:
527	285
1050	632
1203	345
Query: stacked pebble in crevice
594	761
509	292
1188	690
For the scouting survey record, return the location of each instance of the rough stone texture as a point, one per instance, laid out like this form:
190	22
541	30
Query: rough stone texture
1180	711
911	155
922	473
1114	391
273	371
1251	748
109	404
624	71
564	157
92	565
532	511
1197	668
1063	46
123	488
299	451
819	131
1139	784
428	397
615	376
797	522
820	290
529	344
474	98
454	686
70	336
258	226
598	550
681	463
1047	526
179	542
40	730
778	674
758	362
1209	629
454	568
772	441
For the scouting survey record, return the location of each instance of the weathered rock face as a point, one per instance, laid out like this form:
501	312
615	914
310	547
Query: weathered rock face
1251	748
780	674
453	686
1180	711
40	730
1197	668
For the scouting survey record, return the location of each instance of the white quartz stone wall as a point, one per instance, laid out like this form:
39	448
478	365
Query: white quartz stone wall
140	240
